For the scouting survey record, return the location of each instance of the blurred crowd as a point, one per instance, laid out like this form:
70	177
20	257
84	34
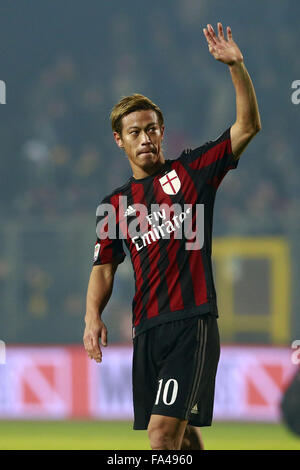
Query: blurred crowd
59	157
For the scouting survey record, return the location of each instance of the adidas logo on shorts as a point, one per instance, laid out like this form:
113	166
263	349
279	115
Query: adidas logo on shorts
194	410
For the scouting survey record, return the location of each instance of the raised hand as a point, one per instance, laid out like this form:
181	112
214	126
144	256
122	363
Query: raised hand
222	49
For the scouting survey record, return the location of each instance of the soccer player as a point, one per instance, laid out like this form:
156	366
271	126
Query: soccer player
164	214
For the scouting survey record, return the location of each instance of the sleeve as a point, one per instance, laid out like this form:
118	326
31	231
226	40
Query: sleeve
108	246
214	159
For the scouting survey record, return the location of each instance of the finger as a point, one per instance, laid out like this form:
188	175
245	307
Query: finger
229	33
212	34
220	31
87	344
104	337
94	353
208	37
95	346
206	34
97	358
209	43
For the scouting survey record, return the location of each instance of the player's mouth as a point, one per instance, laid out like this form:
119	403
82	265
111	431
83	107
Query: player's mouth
146	152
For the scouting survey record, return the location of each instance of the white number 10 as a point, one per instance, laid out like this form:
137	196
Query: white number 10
165	392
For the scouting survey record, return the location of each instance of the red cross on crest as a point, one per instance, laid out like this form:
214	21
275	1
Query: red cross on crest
170	183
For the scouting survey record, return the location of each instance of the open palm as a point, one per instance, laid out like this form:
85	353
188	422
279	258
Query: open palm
222	49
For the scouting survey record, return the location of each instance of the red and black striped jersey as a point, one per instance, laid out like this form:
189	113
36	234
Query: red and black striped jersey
165	220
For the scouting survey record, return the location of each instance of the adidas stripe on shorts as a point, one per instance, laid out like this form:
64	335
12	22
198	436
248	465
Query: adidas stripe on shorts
174	370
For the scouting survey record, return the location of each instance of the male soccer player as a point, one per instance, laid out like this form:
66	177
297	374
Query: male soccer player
175	332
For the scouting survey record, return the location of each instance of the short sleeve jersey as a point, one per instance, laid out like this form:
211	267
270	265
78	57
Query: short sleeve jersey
165	220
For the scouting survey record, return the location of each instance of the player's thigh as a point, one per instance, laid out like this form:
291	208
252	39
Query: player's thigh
144	378
179	369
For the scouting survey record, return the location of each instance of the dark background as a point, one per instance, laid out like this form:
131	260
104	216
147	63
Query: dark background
65	65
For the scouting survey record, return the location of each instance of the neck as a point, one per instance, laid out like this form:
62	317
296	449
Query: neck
139	173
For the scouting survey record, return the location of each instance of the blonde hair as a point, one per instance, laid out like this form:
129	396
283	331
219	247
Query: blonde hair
129	104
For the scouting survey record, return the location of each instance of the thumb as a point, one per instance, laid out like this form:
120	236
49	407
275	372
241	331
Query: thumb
211	49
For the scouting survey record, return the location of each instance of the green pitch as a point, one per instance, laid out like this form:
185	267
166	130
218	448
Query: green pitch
120	436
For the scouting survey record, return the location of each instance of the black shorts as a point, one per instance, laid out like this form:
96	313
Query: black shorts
174	370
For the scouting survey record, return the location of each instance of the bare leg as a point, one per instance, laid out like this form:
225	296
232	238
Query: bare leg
166	433
192	439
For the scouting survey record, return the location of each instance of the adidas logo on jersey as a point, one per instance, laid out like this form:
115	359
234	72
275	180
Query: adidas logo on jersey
129	211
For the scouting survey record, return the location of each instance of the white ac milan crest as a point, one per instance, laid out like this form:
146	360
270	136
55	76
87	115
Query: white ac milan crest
170	183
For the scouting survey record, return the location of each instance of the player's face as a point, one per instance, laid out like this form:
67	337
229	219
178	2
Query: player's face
141	140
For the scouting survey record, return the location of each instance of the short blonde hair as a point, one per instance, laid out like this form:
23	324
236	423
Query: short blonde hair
129	104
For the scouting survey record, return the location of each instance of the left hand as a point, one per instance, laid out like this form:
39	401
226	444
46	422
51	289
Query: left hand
222	49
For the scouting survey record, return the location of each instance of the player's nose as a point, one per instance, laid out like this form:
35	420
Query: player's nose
145	138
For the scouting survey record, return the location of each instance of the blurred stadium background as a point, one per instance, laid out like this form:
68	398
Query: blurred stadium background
65	64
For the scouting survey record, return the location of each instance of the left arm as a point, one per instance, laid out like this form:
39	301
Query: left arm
247	122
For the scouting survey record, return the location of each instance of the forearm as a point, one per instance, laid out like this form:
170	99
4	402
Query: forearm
247	113
99	291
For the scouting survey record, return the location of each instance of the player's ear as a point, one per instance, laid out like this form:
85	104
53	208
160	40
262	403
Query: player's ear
118	139
162	130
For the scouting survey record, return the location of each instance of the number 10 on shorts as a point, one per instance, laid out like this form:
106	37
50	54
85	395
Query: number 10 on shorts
164	390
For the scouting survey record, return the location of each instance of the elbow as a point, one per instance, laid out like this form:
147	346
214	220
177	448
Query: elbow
257	127
254	129
250	129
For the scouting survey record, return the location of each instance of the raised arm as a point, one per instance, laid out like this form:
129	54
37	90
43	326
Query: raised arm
98	294
247	122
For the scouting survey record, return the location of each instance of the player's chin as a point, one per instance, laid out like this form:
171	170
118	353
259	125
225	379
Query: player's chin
147	160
